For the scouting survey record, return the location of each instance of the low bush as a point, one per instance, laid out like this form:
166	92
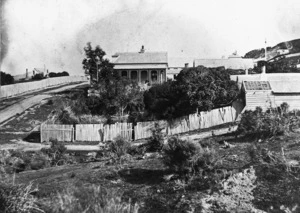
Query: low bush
18	199
119	146
156	141
187	157
90	199
235	194
274	121
57	154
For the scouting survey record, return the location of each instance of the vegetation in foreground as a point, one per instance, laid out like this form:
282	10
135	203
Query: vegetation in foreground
254	173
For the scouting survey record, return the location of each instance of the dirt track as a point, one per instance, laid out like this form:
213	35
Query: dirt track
26	103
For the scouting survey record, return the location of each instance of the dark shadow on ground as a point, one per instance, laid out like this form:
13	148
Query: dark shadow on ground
143	176
33	137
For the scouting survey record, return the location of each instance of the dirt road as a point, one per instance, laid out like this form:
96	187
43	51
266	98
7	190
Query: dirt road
30	101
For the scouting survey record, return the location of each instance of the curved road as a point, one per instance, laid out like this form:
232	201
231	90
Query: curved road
30	101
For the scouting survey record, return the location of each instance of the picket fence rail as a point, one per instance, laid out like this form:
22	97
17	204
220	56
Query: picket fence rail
20	88
100	132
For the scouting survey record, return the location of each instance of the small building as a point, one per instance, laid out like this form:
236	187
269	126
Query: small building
143	67
234	61
270	90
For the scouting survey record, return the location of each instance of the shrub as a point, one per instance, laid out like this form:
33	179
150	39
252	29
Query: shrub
235	194
58	154
270	123
119	146
90	199
186	156
156	141
18	199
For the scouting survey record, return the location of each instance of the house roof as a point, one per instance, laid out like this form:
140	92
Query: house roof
180	62
257	85
140	58
230	63
39	70
285	87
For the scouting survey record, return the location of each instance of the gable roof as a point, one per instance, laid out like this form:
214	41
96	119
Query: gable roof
140	58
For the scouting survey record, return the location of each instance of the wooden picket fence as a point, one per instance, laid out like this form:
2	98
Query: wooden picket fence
188	123
57	132
100	132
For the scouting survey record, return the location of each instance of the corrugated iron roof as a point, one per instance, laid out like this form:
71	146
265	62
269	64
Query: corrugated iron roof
257	85
285	87
140	58
230	63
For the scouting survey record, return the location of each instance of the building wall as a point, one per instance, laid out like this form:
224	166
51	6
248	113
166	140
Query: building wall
293	100
266	99
263	99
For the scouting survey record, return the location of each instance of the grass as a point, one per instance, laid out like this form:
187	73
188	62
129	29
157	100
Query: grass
145	182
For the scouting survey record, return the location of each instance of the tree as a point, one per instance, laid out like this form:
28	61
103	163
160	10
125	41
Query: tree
94	62
195	89
6	78
118	95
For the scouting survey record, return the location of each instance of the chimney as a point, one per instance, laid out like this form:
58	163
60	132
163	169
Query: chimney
26	73
142	49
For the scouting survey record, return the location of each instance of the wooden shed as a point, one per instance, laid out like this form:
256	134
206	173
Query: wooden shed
266	94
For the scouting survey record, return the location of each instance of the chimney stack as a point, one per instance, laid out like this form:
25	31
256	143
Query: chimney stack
26	73
142	49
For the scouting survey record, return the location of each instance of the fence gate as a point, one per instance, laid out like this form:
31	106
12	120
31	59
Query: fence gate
57	132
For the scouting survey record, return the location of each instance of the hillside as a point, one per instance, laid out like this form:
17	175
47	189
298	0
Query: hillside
286	47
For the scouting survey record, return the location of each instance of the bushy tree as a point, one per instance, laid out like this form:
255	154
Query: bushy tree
6	78
195	89
94	62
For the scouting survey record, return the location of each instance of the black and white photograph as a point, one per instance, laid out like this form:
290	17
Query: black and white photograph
149	106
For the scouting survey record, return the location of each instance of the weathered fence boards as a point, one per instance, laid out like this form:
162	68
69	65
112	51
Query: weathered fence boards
144	129
100	132
16	89
57	132
188	123
89	132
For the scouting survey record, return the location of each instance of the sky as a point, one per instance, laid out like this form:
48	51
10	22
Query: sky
52	33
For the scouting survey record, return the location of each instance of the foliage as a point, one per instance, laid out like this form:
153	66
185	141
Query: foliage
64	115
6	78
235	194
38	76
18	199
195	89
187	157
116	96
58	154
156	141
119	146
274	121
90	199
94	63
58	74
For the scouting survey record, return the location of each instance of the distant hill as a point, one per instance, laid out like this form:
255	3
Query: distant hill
283	57
287	47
